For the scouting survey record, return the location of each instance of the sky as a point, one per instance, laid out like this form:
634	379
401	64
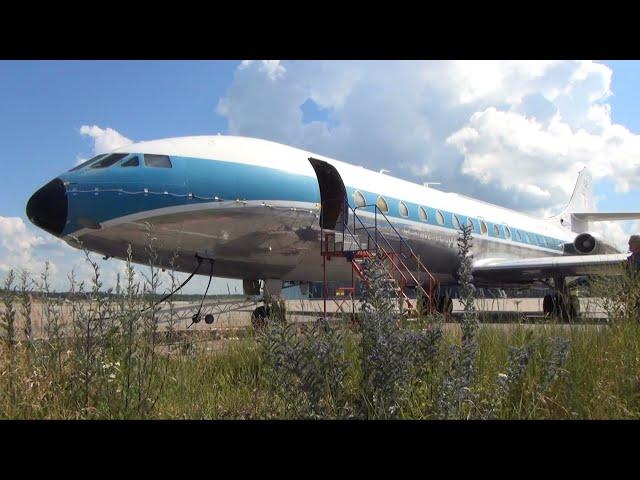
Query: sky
514	133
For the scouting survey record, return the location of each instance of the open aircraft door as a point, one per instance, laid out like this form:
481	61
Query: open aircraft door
334	213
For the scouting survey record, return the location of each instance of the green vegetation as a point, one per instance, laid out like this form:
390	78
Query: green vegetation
110	360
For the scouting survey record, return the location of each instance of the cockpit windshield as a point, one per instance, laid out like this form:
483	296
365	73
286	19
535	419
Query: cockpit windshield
109	160
87	162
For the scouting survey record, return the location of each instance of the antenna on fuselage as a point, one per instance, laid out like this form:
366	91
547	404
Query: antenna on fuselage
383	171
426	184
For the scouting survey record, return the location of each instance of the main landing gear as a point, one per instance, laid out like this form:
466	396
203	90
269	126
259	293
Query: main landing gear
561	304
272	311
260	317
441	303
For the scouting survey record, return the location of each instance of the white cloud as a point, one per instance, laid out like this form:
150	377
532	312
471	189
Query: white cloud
104	139
511	132
20	247
14	236
272	68
510	149
23	248
614	232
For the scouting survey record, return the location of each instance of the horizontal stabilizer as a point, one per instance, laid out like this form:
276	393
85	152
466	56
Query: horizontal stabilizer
606	216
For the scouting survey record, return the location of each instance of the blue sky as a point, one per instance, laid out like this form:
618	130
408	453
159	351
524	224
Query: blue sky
413	118
45	103
625	105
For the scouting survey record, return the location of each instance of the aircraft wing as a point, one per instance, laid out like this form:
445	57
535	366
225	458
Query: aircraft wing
531	269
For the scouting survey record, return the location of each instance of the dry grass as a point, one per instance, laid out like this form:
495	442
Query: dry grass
98	357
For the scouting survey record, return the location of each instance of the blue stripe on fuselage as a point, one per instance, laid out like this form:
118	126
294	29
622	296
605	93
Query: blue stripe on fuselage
110	193
117	191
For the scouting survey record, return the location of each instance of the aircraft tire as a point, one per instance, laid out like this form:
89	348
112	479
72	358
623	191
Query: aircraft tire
548	305
448	306
571	311
444	305
553	305
259	317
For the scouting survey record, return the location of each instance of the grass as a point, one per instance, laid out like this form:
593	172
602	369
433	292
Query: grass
601	380
110	361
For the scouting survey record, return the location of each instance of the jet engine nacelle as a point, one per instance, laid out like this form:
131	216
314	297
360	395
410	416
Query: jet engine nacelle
251	287
588	244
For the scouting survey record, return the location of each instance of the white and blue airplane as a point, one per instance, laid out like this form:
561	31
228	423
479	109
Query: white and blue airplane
254	206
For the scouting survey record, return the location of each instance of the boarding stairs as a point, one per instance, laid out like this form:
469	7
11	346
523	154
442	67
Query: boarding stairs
368	233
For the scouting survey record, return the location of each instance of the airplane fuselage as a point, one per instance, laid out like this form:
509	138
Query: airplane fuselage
254	206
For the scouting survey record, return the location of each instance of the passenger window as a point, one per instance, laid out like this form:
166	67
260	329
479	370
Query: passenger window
132	162
439	217
404	211
496	230
423	214
471	224
483	227
507	232
456	222
359	199
382	205
157	161
518	236
109	160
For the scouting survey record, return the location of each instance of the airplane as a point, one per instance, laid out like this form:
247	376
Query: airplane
258	209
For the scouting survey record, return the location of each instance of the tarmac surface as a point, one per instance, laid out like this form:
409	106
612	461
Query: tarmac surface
234	315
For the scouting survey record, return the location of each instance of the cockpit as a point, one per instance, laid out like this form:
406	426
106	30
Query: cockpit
101	177
124	160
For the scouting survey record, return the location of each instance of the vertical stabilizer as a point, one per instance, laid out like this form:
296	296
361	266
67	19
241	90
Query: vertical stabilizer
581	201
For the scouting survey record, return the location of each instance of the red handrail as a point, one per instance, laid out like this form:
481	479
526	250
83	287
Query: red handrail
376	239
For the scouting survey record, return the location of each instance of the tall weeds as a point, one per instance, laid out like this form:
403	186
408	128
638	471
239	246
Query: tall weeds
99	353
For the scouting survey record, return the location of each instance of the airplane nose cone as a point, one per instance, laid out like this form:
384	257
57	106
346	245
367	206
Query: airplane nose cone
47	208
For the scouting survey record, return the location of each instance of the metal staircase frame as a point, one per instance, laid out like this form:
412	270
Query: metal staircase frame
394	260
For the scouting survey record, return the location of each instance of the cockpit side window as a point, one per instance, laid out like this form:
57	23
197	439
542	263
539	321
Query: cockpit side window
157	161
87	162
109	160
132	162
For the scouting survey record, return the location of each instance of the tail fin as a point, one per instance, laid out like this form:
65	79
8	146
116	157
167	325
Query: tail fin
581	202
581	208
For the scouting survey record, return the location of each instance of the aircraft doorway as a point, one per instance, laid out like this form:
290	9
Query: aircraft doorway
334	213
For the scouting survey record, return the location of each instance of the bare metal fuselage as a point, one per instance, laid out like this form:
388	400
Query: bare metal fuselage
260	241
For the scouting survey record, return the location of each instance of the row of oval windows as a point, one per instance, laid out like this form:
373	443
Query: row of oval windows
404	212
